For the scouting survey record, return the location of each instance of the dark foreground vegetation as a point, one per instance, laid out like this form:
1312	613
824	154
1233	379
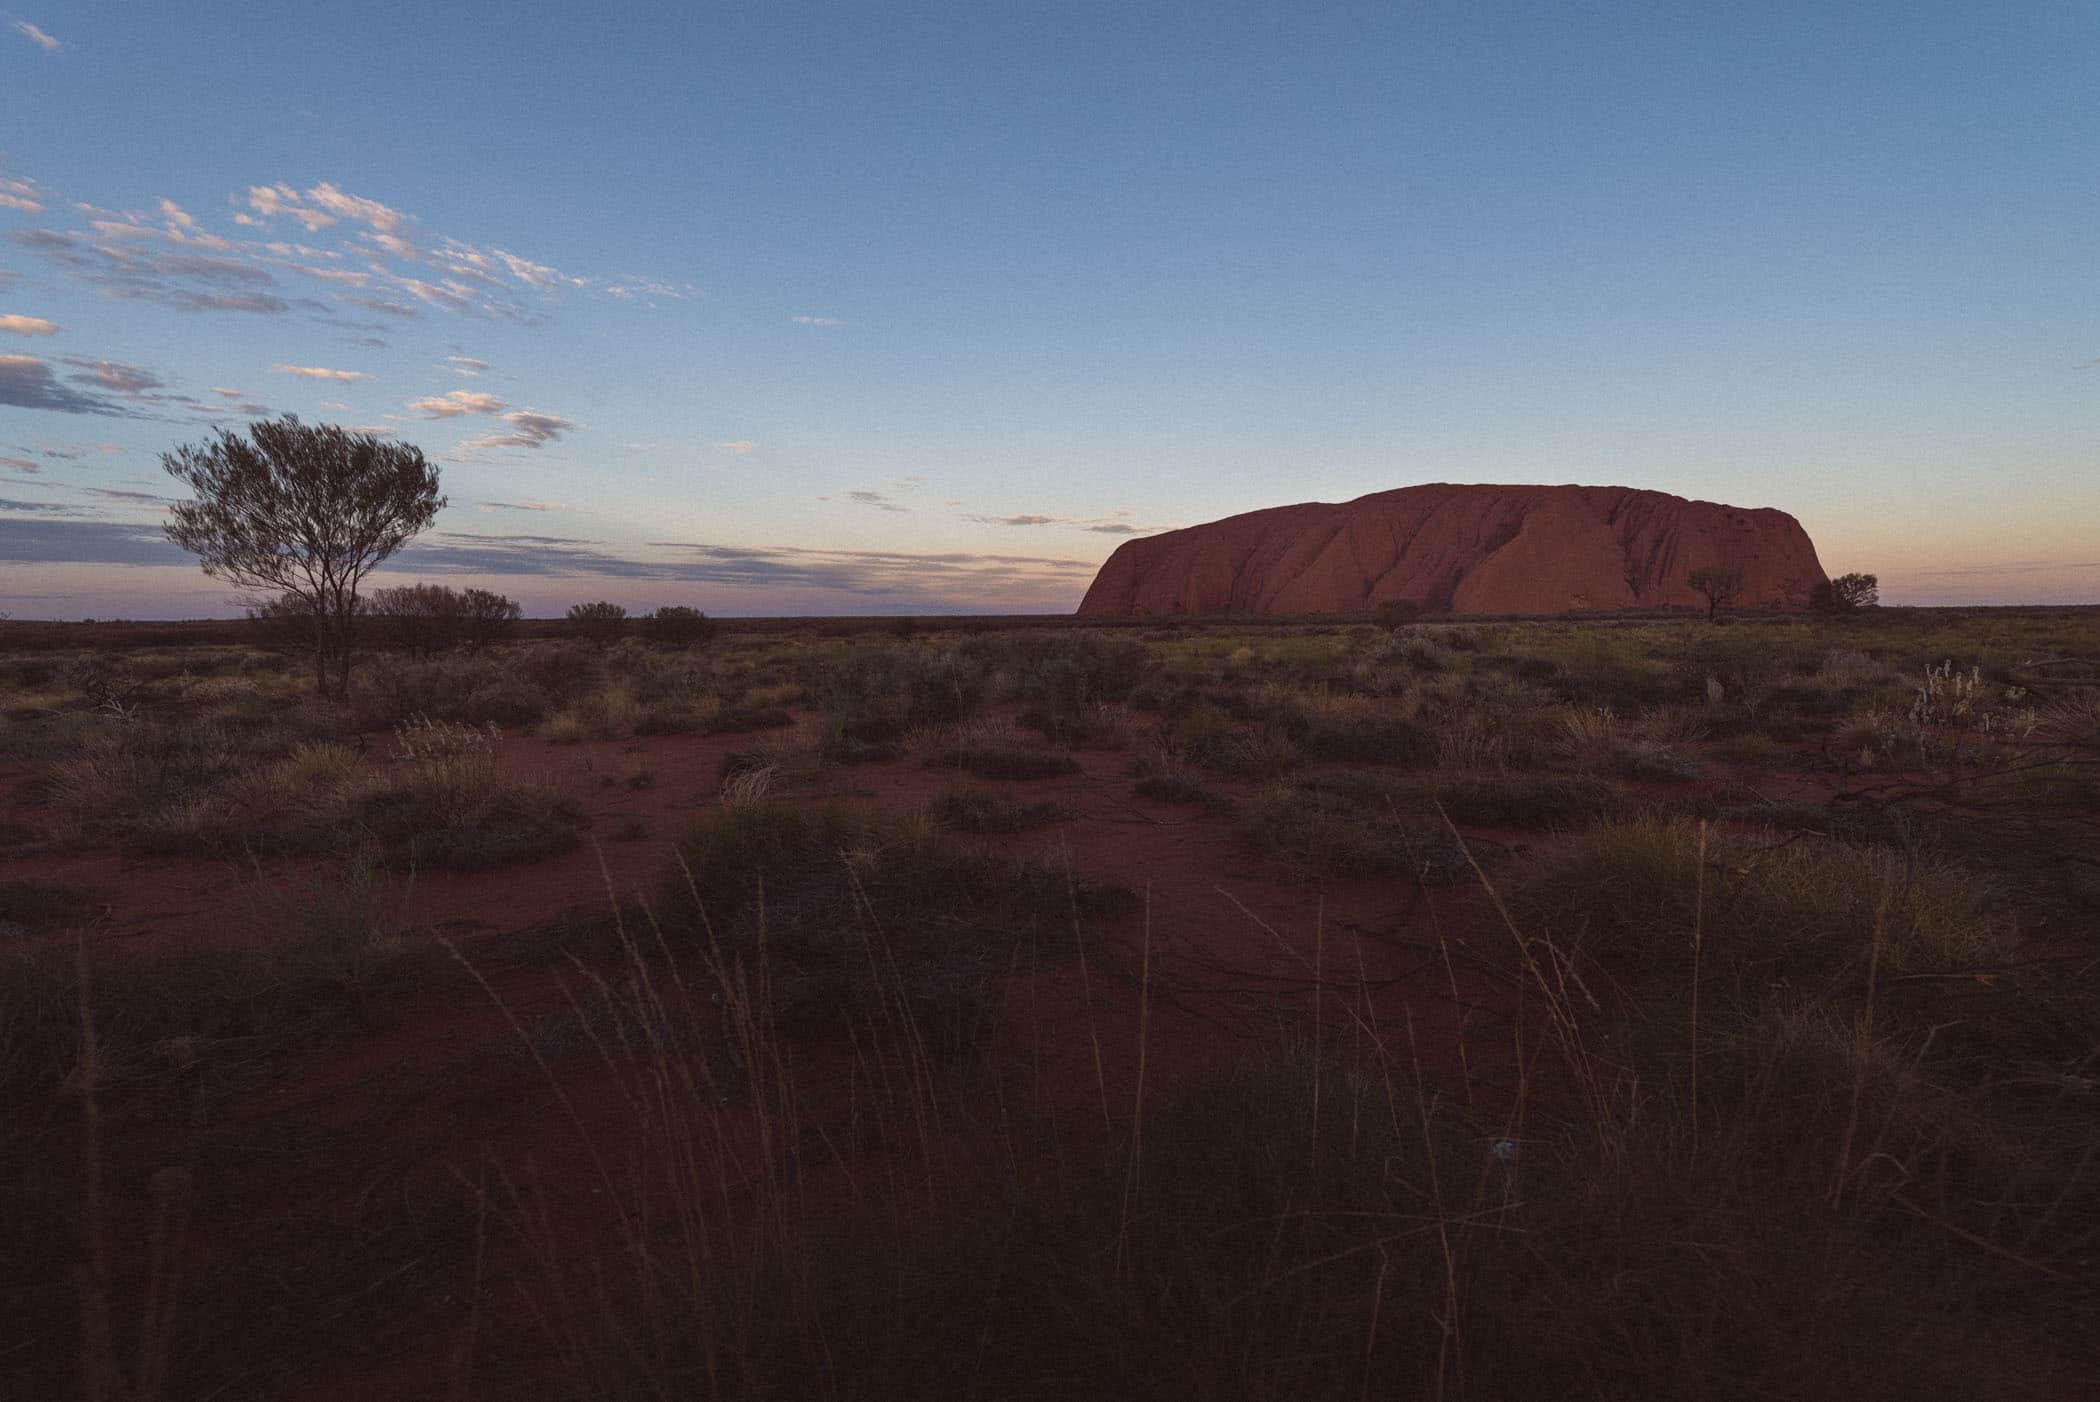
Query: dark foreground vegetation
1731	1030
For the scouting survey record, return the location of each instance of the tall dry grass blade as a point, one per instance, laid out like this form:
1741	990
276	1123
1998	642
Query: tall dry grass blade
1698	939
1319	959
171	1220
1134	1171
98	1366
1842	1172
1086	994
1451	1337
460	1365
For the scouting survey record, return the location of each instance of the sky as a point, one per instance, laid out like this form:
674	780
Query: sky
924	308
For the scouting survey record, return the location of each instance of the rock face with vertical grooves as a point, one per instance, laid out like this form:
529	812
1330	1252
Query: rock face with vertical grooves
1463	550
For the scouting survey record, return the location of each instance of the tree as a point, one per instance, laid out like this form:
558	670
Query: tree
1845	593
486	617
598	623
1719	583
676	625
418	618
306	512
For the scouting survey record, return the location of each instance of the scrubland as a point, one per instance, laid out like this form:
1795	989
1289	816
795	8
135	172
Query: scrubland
1573	1008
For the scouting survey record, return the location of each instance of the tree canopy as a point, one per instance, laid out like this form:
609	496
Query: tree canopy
304	512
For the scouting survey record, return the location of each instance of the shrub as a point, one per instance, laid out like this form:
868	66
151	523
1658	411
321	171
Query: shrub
676	625
507	702
1172	786
981	810
600	623
997	754
1626	899
879	696
1529	801
815	881
1845	593
486	618
1326	834
1395	614
417	618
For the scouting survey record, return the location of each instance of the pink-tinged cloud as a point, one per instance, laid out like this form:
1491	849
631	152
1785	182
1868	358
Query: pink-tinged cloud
37	36
29	325
740	446
20	194
317	372
458	402
529	429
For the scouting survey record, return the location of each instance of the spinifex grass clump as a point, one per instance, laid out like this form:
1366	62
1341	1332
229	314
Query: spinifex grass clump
295	938
1321	832
1624	900
849	906
997	752
981	810
1528	800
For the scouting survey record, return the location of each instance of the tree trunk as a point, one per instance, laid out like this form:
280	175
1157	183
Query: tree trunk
320	654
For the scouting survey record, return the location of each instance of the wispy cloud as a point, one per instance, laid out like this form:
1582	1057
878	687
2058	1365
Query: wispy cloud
115	376
134	498
875	580
20	465
29	325
187	282
456	403
524	506
2012	567
878	500
37	36
816	321
21	194
529	429
632	288
740	446
29	383
377	261
319	372
1111	524
465	365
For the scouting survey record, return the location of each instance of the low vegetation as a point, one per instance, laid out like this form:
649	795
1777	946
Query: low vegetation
1639	1008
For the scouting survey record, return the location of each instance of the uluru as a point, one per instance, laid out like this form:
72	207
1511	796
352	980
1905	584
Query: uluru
1485	549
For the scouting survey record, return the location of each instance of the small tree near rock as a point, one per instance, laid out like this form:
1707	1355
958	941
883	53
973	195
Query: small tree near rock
1720	584
1845	593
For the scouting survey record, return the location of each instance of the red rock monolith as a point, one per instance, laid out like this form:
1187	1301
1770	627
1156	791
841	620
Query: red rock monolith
1464	550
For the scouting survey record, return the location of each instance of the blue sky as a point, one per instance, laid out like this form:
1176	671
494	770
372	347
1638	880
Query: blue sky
919	308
